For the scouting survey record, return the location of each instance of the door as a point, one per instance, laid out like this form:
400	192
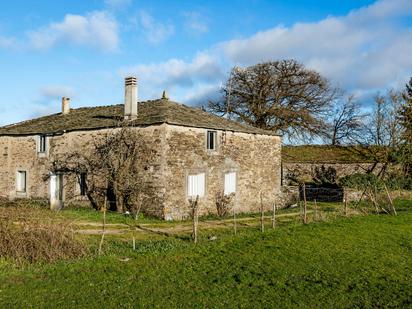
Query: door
56	191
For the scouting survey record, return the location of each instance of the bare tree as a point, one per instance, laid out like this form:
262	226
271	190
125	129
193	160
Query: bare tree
381	135
346	121
114	169
281	96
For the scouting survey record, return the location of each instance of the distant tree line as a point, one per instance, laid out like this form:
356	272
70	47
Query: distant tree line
286	97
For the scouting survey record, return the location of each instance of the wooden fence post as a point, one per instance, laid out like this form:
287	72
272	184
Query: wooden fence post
305	219
390	200
103	226
345	200
234	218
195	217
274	215
262	226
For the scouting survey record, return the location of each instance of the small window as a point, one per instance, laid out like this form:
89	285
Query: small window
42	143
82	184
211	140
21	181
230	183
196	185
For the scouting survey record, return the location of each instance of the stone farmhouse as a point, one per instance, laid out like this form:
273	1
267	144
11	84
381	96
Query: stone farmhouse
193	153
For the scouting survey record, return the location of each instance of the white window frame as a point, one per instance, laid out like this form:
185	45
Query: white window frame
214	134
230	182
196	185
20	186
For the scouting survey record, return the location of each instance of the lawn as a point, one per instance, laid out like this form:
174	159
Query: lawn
360	261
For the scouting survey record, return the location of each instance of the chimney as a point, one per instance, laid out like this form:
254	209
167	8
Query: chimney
130	97
65	105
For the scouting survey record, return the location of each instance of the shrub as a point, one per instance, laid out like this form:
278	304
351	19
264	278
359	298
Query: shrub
362	181
27	236
325	176
223	204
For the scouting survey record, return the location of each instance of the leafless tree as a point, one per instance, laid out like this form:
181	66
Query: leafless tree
282	96
114	169
381	135
346	121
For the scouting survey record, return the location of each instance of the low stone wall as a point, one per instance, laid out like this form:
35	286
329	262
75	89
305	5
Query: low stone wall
292	194
306	171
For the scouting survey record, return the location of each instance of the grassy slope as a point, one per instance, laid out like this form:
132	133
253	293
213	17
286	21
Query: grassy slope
324	154
360	261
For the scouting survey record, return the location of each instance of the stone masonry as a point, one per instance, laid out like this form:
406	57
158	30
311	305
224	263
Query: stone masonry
175	151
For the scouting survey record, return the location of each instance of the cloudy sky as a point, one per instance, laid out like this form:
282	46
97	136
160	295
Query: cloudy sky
84	49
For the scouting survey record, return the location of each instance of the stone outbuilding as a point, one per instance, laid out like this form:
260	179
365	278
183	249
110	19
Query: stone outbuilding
193	153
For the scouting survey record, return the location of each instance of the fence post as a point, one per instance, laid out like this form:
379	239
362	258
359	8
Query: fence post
390	200
195	218
103	226
234	218
345	200
274	215
262	226
304	205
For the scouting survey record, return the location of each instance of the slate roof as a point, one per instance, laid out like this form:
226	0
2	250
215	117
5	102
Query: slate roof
150	113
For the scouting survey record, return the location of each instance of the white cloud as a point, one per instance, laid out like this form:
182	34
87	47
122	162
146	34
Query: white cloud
202	94
366	48
56	91
8	43
96	29
195	23
176	72
154	30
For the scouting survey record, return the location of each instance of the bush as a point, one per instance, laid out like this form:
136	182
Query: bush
362	181
26	236
325	176
223	204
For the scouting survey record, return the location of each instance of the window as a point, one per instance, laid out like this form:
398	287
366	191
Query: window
211	140
21	181
42	143
230	183
82	184
196	185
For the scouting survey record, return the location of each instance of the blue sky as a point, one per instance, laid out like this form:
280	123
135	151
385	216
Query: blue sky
83	49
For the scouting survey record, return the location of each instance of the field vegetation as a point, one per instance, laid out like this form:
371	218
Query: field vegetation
334	261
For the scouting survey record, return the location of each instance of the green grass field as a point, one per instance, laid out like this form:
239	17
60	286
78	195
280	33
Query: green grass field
360	261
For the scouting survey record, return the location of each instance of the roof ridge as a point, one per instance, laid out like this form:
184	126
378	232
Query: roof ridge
150	112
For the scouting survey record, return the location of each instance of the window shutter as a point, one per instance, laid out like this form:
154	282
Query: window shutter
230	183
21	181
196	185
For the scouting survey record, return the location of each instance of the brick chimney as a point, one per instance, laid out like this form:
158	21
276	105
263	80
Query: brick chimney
65	105
130	97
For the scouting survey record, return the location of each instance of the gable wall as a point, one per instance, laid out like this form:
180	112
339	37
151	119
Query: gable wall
21	153
256	159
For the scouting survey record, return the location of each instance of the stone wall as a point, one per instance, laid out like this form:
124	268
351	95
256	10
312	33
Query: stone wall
255	158
20	153
307	170
292	194
173	153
